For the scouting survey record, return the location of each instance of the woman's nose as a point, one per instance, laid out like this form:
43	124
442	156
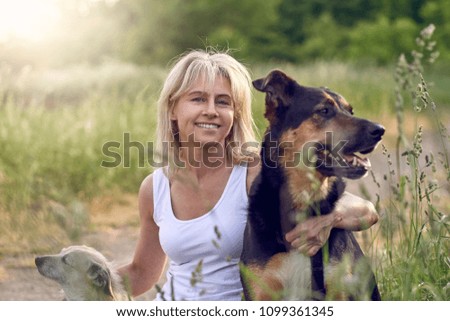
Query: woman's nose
210	110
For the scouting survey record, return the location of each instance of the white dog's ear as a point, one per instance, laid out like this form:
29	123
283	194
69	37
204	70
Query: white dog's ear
101	278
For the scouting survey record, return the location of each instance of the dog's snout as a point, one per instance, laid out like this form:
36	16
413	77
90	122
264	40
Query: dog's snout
38	260
377	131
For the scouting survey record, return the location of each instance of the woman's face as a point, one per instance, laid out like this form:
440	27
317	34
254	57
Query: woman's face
205	113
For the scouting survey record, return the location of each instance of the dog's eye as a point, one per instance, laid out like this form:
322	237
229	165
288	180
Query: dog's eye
324	111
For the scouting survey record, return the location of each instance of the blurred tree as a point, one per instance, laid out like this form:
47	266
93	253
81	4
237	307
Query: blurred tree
250	26
438	13
324	39
154	31
402	9
160	30
296	16
149	28
381	41
350	12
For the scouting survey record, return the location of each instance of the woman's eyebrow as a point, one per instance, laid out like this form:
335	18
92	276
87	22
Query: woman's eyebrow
199	92
196	92
224	96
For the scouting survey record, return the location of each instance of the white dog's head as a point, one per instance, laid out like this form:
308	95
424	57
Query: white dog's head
83	273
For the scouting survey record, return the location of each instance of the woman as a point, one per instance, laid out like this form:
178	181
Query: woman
194	210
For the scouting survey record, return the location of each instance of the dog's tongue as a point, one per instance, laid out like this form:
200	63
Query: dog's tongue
357	161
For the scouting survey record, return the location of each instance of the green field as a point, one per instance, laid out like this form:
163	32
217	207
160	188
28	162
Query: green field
53	125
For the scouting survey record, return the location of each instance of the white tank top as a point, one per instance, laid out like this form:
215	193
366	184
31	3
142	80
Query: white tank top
203	252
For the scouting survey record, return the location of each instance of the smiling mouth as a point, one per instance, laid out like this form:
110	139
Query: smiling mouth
350	160
352	165
207	126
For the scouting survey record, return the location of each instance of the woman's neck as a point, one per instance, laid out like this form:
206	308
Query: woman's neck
203	160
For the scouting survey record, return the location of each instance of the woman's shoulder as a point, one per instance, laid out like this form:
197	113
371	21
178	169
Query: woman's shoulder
146	195
148	181
148	185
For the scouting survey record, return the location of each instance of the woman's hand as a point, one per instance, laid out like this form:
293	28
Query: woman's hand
351	213
309	236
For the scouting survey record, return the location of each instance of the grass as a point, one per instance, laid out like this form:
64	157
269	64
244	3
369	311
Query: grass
51	155
53	125
414	264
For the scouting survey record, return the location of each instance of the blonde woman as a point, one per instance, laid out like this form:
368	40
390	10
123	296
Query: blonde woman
193	211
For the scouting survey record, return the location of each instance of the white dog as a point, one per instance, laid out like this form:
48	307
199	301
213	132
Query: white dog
83	273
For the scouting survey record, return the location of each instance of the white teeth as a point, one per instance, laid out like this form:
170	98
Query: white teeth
208	126
355	161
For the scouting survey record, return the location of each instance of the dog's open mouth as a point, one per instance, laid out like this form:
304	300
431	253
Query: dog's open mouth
349	164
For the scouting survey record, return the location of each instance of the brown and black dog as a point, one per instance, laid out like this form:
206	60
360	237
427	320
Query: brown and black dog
308	148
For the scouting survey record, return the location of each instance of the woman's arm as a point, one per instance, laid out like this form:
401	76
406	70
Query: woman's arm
149	259
351	213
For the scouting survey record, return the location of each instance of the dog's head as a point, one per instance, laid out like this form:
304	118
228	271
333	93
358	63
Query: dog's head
81	271
318	125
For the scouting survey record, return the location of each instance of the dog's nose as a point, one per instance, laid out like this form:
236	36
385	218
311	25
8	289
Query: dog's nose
38	260
377	131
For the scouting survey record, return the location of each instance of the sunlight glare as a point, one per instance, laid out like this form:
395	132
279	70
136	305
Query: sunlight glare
29	20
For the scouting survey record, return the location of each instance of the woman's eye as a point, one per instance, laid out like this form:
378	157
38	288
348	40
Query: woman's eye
223	102
199	99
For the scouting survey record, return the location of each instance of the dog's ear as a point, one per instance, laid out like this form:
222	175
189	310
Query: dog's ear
101	278
277	85
278	88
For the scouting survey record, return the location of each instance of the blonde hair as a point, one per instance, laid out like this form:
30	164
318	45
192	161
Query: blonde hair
187	69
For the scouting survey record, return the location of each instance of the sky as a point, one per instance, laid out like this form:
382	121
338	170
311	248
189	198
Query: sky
28	20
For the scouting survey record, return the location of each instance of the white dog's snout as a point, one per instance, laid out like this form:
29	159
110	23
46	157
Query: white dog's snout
39	260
